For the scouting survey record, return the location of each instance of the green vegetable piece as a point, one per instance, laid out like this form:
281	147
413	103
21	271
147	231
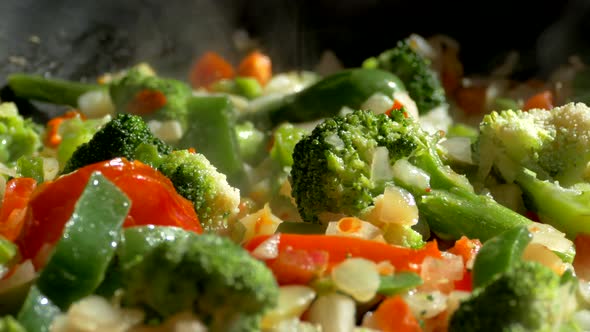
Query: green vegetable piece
499	254
51	90
453	213
18	136
325	98
8	252
211	132
527	297
124	92
38	311
197	180
332	174
87	245
421	81
119	137
248	87
285	137
251	142
30	167
10	324
169	270
75	132
398	283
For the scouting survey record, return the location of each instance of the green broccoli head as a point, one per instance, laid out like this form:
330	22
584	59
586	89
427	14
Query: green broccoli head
414	70
168	271
18	136
126	90
331	170
196	179
527	297
553	144
119	137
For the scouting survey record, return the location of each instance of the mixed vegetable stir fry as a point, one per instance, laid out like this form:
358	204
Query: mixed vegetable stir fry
395	196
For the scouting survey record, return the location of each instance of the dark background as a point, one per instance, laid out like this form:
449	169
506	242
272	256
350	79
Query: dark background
80	39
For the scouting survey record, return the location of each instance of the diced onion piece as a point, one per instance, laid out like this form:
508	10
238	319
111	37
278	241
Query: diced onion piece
377	103
261	222
293	301
268	249
357	277
380	169
439	273
96	103
397	206
335	141
404	98
333	312
539	253
5	170
22	274
458	149
550	237
436	119
95	313
354	227
582	319
410	174
426	305
50	168
169	131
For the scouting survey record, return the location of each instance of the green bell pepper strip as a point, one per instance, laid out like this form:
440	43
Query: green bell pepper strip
399	282
499	253
210	130
30	167
87	245
38	312
325	98
51	90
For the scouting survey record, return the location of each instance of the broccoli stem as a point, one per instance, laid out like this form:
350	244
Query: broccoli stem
51	90
567	209
457	212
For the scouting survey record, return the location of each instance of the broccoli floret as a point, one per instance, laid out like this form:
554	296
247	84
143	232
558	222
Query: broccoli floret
414	70
546	153
126	93
168	271
527	297
196	179
18	136
347	161
120	137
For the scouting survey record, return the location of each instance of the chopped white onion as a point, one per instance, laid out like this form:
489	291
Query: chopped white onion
50	168
261	222
426	305
410	174
357	277
377	103
458	149
333	312
380	169
169	131
335	141
268	249
96	103
394	206
354	227
550	237
96	314
539	253
293	301
23	274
